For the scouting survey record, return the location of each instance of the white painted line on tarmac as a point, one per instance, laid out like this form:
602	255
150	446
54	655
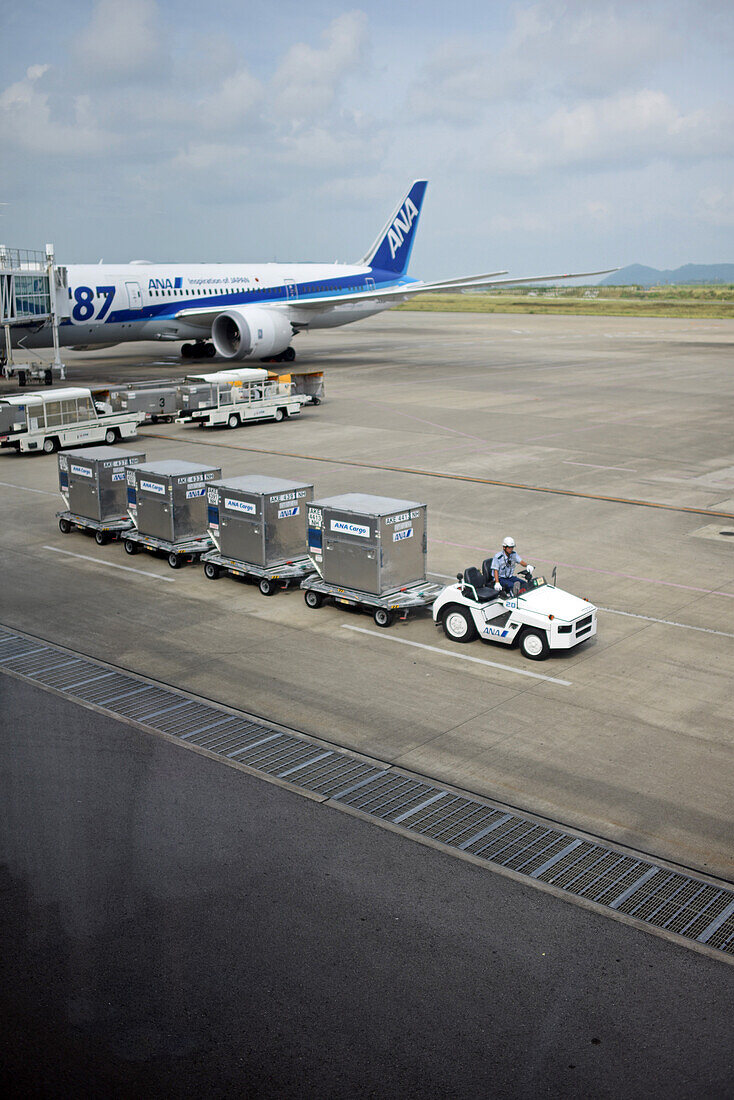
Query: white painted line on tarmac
111	564
593	466
666	622
459	656
44	492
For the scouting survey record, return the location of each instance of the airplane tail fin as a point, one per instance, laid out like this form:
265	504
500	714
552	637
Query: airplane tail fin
391	251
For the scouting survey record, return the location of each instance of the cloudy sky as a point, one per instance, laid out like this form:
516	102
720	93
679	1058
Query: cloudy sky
555	135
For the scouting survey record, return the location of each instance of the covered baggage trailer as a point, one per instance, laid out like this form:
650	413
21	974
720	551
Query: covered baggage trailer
155	403
168	506
258	525
93	485
49	420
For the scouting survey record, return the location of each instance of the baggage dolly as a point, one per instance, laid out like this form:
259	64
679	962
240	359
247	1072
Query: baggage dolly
104	531
269	578
383	608
178	553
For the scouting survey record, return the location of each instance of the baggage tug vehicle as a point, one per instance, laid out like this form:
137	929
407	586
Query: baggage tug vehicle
539	619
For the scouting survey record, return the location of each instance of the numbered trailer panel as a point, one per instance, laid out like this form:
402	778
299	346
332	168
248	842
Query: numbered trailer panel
93	483
167	500
260	520
368	543
151	402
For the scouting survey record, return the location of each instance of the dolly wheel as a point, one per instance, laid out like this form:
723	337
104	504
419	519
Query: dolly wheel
131	547
211	572
101	538
313	599
267	587
64	526
175	560
383	617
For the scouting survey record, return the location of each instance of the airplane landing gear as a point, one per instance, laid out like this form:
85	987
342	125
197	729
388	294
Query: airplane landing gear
286	356
199	350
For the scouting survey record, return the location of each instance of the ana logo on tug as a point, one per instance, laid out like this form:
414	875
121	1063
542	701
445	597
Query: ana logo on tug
401	226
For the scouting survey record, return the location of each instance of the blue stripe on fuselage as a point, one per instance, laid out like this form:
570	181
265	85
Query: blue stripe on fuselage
331	288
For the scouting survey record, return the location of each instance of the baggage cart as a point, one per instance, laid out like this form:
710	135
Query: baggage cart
269	578
154	403
383	608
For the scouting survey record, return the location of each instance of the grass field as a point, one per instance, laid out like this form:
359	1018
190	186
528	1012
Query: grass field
626	301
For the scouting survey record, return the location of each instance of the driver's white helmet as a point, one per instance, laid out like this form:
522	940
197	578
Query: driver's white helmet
509	541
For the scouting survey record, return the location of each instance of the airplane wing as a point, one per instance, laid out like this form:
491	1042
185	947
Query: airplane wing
205	315
410	290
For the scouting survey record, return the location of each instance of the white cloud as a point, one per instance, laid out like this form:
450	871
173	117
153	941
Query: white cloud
307	80
28	122
715	205
122	39
231	102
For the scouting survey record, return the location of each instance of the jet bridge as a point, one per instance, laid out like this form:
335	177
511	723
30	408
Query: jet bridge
33	291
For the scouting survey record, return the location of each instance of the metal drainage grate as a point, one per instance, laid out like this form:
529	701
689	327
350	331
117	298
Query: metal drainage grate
690	907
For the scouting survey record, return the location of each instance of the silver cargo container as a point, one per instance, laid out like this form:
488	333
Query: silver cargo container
167	500
92	481
369	543
260	520
154	402
197	395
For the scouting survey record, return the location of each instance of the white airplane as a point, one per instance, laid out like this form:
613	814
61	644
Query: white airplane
247	311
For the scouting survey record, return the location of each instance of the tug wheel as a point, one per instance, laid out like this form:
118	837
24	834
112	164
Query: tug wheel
458	625
534	645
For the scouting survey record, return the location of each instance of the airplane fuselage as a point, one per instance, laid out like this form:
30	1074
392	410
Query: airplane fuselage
112	303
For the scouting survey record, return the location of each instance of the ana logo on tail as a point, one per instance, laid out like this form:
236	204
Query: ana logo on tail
401	226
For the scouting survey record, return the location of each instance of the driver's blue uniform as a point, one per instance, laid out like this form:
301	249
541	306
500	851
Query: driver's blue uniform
504	564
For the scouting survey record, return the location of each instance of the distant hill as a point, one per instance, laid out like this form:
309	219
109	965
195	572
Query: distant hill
639	275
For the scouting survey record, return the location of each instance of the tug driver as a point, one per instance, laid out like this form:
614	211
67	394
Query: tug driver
503	567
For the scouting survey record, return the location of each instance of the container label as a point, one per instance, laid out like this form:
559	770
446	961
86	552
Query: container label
283	513
213	495
130	478
240	506
398	536
191	493
400	516
152	487
63	462
350	528
84	471
314	517
118	475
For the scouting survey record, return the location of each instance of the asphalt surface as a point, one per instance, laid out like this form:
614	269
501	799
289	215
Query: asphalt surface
172	927
638	746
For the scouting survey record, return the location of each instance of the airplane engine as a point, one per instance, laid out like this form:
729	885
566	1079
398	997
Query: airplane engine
251	334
